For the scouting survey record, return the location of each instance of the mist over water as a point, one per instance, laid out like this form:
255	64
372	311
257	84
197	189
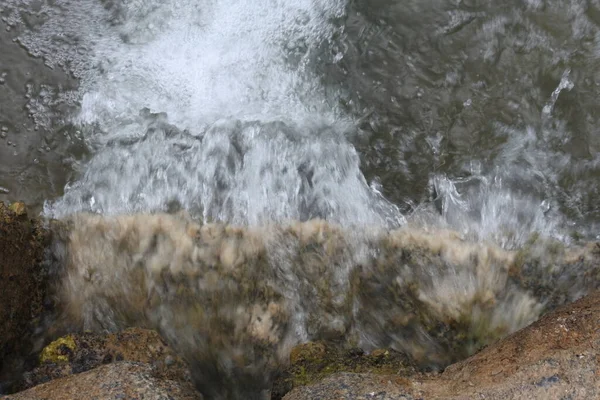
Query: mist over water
439	156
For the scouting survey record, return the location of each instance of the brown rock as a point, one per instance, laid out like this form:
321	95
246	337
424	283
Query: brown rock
554	358
313	361
355	386
22	286
76	353
307	351
120	380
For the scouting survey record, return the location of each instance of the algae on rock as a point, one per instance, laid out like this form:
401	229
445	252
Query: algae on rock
81	352
57	351
313	361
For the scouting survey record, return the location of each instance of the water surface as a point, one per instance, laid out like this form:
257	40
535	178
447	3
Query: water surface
473	116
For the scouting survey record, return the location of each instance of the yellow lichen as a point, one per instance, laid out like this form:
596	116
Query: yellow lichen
18	208
55	351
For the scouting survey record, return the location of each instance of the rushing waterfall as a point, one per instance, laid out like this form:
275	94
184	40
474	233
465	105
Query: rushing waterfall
213	107
245	175
234	300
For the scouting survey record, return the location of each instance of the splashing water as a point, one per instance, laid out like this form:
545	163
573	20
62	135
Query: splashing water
234	300
248	115
217	107
212	106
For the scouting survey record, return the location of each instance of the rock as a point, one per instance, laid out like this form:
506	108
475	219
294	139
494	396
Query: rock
313	361
135	363
23	281
356	387
119	380
555	357
77	353
19	209
308	352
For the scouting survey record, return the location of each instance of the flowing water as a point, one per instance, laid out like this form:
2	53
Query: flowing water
466	115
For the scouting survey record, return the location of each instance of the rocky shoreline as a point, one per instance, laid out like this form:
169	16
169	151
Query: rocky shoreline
555	357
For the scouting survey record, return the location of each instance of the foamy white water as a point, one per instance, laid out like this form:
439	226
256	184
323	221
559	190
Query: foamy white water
215	107
231	109
201	61
252	113
209	106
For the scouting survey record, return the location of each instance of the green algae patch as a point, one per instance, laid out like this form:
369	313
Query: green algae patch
59	350
312	362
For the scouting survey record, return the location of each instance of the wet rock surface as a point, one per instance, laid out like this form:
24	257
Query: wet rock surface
555	354
556	357
120	380
77	353
234	301
314	361
135	363
23	281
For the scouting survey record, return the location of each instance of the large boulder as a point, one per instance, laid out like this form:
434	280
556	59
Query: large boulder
554	358
120	380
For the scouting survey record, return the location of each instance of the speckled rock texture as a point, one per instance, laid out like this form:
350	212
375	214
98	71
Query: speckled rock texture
77	353
132	364
23	280
119	380
556	357
313	361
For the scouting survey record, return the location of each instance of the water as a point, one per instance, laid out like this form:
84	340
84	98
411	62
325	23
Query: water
467	103
233	301
471	116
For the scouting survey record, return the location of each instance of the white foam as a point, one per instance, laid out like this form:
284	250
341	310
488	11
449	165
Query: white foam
224	72
200	61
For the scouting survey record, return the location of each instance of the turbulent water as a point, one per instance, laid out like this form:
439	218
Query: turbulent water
476	117
234	300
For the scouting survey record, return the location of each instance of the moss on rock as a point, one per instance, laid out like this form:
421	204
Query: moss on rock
58	351
77	353
313	361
